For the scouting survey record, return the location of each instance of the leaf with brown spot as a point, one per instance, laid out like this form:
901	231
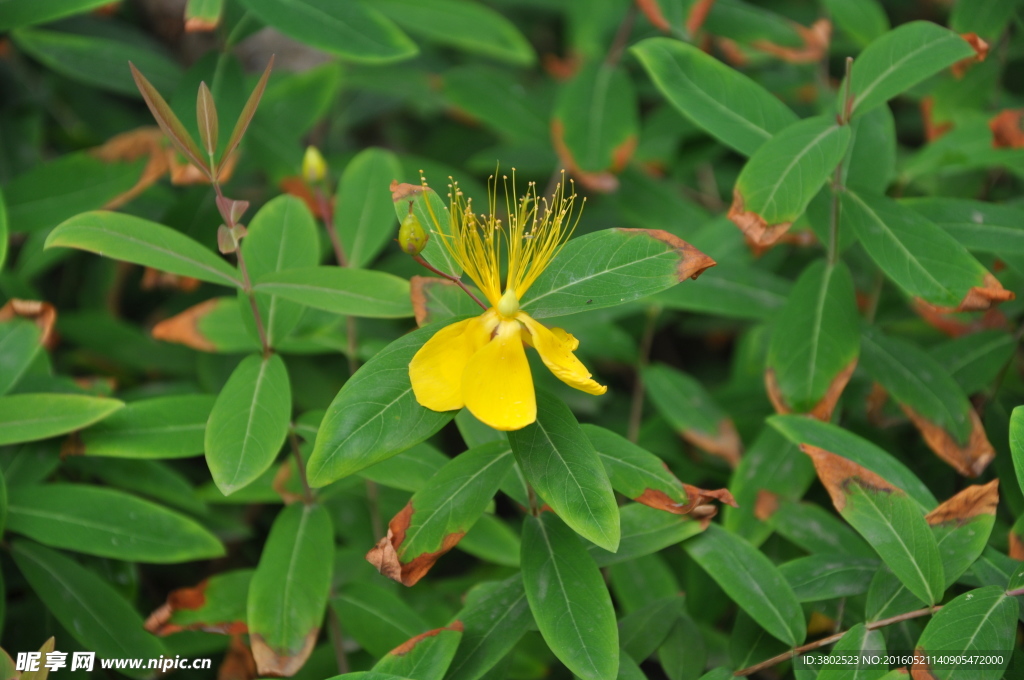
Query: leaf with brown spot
437	516
962	526
425	656
815	43
969	459
143	142
238	663
1007	129
767	504
955	324
601	182
979	499
977	298
890	520
215	605
212	326
435	299
784	174
932	130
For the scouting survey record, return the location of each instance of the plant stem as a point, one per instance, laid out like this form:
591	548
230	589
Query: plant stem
337	640
621	36
833	227
636	408
454	279
301	465
874	625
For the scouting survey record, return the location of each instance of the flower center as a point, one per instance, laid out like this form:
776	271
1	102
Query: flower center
508	305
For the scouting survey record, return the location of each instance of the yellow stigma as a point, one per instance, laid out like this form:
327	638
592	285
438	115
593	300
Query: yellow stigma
508	305
535	231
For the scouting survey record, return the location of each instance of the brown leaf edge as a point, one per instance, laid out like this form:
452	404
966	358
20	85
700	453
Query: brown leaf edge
183	328
975	500
410	644
823	409
815	40
1007	129
384	555
766	505
42	314
418	288
692	262
238	663
696	500
954	326
604	182
977	299
159	622
281	663
932	129
837	474
757	230
724	444
980	48
971	459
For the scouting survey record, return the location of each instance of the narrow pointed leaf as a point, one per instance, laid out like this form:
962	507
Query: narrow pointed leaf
206	116
437	516
375	415
363	210
288	592
161	427
108	523
637	473
752	581
20	343
978	225
857	641
425	657
722	101
611	267
645	530
133	239
94	612
887	518
29	417
569	599
784	174
815	342
166	119
249	422
245	117
492	625
825	577
562	465
351	292
379	619
215	605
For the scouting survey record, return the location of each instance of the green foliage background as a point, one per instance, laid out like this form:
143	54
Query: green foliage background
848	371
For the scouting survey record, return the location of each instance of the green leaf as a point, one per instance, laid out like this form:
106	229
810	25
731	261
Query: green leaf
354	31
222	609
723	102
730	291
378	619
642	631
611	267
815	341
635	472
871	161
108	523
363	212
918	381
981	621
890	520
161	427
350	292
899	60
498	100
133	239
784	174
375	415
29	417
4	229
817	530
800	430
569	599
282	235
424	657
434	216
152	479
987	18
645	530
439	514
962	526
562	465
20	344
437	299
203	13
89	608
50	193
249	422
596	116
101	61
691	411
862	20
28	12
918	256
825	577
288	593
857	641
979	226
409	470
1017	443
752	581
492	625
465	25
974	361
492	540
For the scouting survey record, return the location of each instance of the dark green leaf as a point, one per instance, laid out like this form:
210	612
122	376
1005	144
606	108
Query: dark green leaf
378	619
975	360
492	623
982	621
977	225
29	417
363	213
731	291
596	116
28	12
688	408
162	427
856	642
642	631
825	577
645	530
20	344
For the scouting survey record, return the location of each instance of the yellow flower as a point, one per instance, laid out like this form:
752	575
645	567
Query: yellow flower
481	363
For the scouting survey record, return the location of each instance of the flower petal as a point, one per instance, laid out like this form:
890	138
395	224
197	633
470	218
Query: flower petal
555	347
436	369
497	384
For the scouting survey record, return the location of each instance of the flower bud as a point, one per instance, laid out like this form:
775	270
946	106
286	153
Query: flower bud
411	236
314	167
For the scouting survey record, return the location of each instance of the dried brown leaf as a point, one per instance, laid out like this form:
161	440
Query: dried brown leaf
815	44
238	663
652	11
42	314
979	499
190	598
766	505
725	443
281	663
970	459
183	328
823	409
956	326
754	227
837	474
602	182
384	555
980	52
932	130
1008	129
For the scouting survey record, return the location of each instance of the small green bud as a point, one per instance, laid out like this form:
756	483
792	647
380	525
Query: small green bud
411	236
314	167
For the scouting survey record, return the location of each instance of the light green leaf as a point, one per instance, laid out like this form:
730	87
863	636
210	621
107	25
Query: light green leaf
350	292
981	621
29	417
596	116
161	427
28	12
978	226
363	213
20	344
